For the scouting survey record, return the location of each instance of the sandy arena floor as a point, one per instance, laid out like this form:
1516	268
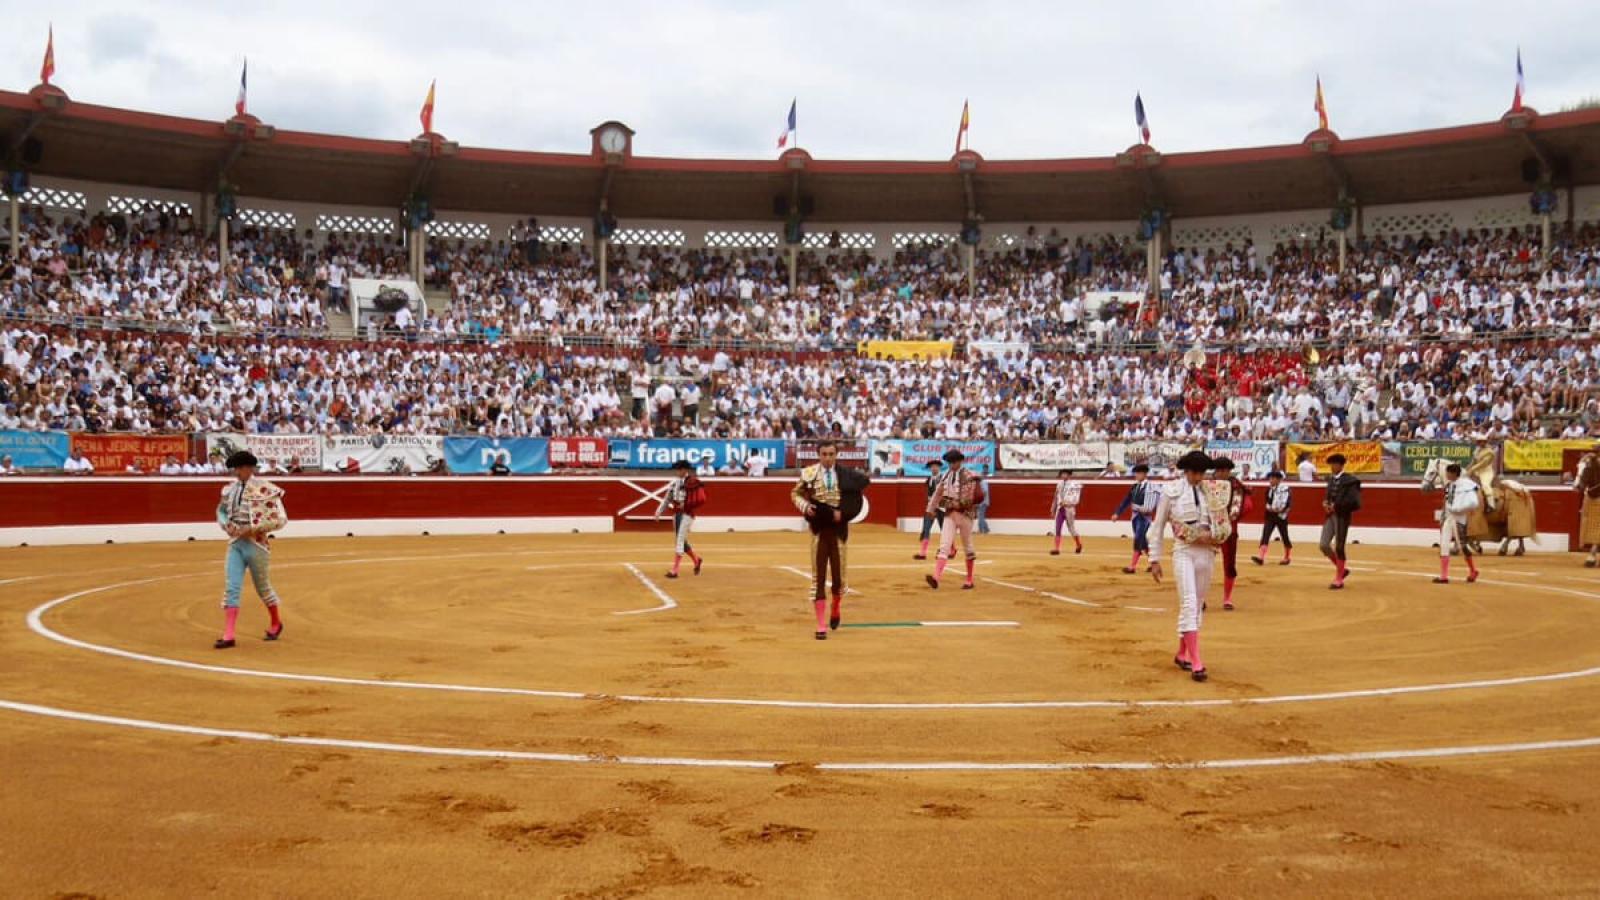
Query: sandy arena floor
485	716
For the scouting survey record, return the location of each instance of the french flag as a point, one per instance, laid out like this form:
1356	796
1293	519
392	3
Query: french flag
239	104
1139	118
1516	98
789	129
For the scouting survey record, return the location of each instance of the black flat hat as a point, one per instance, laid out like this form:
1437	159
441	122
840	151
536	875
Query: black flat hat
241	458
1194	461
954	456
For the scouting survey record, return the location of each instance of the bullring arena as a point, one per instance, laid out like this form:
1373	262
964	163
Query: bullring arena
480	666
454	709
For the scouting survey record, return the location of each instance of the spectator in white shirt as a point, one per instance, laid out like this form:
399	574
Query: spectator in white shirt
77	464
1307	468
756	465
7	468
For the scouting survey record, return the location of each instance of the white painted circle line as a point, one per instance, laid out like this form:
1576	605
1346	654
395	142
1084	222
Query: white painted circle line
666	601
36	624
866	766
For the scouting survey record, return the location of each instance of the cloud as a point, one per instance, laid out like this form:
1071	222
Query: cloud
874	80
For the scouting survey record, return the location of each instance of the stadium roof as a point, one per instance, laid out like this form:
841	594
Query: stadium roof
98	143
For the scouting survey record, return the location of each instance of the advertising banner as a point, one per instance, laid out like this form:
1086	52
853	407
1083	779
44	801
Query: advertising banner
906	349
1054	457
851	453
36	449
1360	457
477	455
1539	456
1251	459
1159	455
276	448
999	349
579	453
647	453
911	458
1415	455
382	454
113	453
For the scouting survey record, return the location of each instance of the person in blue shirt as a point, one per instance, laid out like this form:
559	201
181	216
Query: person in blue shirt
1141	500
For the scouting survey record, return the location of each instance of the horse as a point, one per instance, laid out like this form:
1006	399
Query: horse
1587	483
1507	512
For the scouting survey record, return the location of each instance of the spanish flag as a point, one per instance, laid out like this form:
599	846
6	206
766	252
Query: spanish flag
966	119
1321	107
49	66
427	108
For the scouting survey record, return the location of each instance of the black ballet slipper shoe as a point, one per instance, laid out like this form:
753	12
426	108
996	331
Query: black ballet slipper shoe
822	635
698	563
1199	675
932	581
273	635
222	644
1182	664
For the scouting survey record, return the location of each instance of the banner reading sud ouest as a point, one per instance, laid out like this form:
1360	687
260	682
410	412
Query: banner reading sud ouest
652	453
579	453
477	455
382	454
911	458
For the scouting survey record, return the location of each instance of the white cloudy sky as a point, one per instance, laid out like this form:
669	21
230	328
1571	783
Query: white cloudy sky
874	78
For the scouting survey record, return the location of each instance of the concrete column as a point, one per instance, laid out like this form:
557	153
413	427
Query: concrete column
972	268
222	245
1342	245
600	258
794	268
419	250
16	224
1544	231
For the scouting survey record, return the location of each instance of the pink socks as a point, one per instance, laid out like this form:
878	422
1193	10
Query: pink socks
1058	542
1227	590
822	615
1136	555
677	560
230	622
924	548
938	568
1191	644
970	564
1444	567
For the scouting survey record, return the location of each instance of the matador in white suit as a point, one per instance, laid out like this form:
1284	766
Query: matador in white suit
1197	512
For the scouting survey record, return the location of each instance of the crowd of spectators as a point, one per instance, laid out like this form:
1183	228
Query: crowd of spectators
1456	335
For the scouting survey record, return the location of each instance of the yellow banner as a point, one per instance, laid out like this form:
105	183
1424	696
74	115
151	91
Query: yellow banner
906	349
1539	456
1360	457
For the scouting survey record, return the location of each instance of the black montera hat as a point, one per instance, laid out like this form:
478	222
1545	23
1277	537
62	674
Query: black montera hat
1194	461
682	464
1141	467
241	458
1336	458
1274	474
954	456
1223	463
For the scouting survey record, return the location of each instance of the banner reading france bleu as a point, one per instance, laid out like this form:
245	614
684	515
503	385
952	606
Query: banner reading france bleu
649	453
911	458
477	455
35	449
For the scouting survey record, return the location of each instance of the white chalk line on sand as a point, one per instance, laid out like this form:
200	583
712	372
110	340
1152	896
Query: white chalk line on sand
666	601
763	764
36	623
1053	596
